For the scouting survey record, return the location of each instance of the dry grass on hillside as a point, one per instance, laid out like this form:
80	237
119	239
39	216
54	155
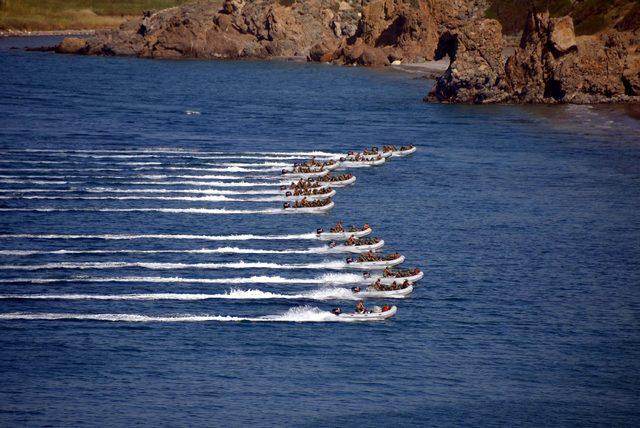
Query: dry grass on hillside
73	14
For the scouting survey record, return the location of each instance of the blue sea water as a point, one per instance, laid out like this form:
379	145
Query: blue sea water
524	219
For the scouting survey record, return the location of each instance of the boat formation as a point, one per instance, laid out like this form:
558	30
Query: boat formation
382	281
313	182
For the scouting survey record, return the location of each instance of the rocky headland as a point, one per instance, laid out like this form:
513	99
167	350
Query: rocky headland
550	65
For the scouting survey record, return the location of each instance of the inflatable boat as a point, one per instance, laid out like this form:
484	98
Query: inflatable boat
400	153
336	236
310	210
390	294
312	174
309	197
339	183
362	163
375	315
332	166
388	280
378	264
358	248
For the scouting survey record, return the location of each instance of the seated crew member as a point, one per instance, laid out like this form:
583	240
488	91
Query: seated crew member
360	309
336	311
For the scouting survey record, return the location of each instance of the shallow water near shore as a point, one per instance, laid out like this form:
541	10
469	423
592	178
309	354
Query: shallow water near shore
524	219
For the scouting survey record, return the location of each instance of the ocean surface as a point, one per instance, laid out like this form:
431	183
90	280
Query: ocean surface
115	181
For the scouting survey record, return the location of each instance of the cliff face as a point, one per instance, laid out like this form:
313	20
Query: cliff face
361	32
551	65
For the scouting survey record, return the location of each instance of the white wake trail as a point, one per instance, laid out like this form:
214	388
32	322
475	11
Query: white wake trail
243	237
326	279
298	314
331	265
216	211
222	250
161	191
333	293
211	198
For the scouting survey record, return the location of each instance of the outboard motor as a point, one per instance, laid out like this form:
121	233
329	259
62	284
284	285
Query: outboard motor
319	231
349	260
366	274
288	194
283	187
355	289
284	171
286	205
332	244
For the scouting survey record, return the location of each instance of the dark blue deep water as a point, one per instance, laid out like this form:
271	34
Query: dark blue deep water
525	219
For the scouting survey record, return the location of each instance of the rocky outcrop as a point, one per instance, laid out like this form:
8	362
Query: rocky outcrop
551	65
476	71
71	45
363	32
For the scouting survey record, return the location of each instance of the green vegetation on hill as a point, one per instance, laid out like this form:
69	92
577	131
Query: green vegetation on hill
589	16
73	14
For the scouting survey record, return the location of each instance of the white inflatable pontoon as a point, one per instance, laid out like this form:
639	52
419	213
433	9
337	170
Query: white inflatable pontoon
362	163
391	294
336	236
369	316
388	280
341	183
379	264
311	210
358	248
313	174
400	153
332	167
309	197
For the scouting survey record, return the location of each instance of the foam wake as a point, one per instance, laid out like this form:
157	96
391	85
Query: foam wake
333	265
298	314
167	150
219	211
334	293
245	237
152	177
208	198
161	191
223	250
326	279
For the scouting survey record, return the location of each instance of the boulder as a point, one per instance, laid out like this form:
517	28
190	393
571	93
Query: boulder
561	34
322	52
71	45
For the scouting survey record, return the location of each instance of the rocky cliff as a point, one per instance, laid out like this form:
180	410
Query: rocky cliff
551	64
365	32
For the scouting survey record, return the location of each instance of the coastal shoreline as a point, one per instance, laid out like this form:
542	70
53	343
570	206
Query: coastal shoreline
26	33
